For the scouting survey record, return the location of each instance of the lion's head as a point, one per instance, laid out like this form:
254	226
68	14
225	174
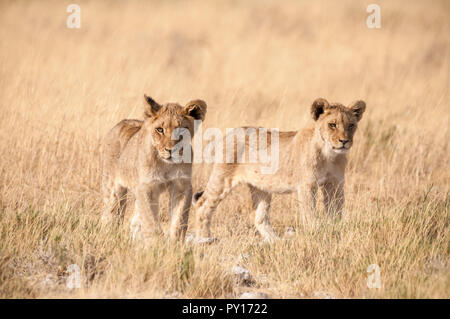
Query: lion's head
166	122
336	123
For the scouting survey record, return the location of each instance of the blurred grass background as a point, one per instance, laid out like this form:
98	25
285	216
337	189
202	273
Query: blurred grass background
254	63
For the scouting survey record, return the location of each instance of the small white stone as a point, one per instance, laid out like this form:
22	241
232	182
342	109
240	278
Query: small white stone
323	295
289	232
49	281
172	295
242	275
205	240
242	258
254	295
189	238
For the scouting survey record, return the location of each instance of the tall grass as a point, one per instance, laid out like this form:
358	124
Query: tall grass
255	63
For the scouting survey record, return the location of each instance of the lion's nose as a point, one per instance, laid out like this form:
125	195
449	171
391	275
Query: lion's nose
343	141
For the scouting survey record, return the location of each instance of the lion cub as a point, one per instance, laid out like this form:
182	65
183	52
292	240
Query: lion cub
312	158
139	157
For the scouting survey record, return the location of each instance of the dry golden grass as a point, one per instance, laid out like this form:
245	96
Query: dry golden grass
254	62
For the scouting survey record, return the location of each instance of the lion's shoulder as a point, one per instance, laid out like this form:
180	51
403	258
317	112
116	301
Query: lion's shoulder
127	128
120	134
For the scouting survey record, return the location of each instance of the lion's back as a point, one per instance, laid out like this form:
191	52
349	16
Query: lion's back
116	140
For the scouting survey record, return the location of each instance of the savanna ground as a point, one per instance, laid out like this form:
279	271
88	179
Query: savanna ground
255	63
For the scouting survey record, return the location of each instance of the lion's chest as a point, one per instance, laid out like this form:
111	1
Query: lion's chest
165	174
330	171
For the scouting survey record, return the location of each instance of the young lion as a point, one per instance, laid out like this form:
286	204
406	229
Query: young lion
139	156
310	158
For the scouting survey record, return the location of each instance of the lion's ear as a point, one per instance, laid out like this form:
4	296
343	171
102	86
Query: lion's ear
358	108
151	107
318	107
196	109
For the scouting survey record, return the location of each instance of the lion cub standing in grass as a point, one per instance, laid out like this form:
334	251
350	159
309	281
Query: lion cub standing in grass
139	157
310	158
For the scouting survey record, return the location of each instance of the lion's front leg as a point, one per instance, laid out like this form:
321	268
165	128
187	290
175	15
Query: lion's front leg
307	197
145	222
333	197
180	204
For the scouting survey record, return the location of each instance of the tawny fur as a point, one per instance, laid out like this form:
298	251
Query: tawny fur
311	158
137	158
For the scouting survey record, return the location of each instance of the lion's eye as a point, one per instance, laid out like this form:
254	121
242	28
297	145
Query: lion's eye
351	126
332	125
160	130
